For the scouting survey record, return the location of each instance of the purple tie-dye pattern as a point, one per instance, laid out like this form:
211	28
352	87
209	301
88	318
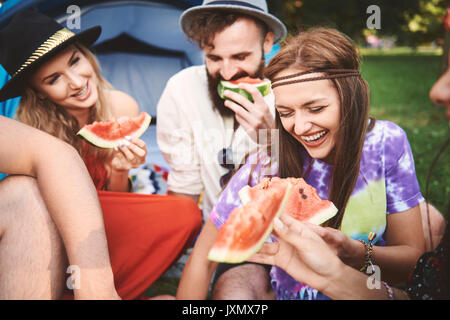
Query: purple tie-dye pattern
286	288
386	155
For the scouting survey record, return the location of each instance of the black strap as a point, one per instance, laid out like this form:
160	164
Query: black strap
240	3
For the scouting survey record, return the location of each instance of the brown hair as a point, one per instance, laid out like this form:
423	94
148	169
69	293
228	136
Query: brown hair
47	116
326	49
208	23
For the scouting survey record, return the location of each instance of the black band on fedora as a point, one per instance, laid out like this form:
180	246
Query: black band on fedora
241	3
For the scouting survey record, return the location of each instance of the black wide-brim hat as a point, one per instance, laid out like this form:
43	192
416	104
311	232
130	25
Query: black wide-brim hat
31	39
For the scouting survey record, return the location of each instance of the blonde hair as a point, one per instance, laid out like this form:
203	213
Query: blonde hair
47	116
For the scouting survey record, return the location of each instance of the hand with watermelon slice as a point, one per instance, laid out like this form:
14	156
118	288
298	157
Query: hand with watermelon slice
129	154
301	252
111	133
247	227
245	97
305	205
121	134
306	257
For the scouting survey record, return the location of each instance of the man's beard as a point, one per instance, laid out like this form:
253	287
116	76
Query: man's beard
213	82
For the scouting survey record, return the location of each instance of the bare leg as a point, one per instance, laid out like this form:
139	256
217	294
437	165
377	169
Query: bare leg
32	258
435	224
244	282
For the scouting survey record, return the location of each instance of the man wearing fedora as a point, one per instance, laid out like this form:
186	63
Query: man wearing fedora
202	136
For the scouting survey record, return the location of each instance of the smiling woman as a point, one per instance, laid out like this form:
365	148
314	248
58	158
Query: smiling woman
329	108
72	82
60	98
62	90
365	167
311	116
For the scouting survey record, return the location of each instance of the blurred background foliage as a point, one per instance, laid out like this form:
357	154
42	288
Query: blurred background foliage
401	60
410	22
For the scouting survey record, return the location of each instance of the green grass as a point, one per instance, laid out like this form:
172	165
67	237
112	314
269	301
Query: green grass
400	85
164	285
420	51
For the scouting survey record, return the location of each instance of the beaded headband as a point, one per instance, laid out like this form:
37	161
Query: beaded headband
330	74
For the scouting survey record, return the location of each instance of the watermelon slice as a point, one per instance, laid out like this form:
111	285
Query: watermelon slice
262	85
304	203
108	134
247	227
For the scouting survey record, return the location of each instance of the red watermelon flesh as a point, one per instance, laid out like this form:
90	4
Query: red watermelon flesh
109	134
247	79
263	86
248	227
304	204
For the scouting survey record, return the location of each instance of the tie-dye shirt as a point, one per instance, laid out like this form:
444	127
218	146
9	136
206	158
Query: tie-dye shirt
386	184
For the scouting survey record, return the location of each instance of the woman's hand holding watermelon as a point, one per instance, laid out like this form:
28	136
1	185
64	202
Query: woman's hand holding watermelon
130	154
351	252
302	253
252	116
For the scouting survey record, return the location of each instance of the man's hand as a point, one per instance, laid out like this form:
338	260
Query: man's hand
252	116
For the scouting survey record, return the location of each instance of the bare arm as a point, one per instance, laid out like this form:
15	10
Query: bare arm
71	199
404	245
350	284
133	153
198	272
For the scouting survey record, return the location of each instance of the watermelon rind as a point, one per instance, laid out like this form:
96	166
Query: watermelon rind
264	87
110	144
238	256
324	215
244	194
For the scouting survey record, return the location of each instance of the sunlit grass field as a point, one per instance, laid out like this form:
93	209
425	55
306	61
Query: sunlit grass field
400	83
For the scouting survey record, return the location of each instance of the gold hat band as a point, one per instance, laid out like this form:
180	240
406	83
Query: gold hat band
55	40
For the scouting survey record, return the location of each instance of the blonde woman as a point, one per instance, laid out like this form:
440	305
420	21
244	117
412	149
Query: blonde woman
62	90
